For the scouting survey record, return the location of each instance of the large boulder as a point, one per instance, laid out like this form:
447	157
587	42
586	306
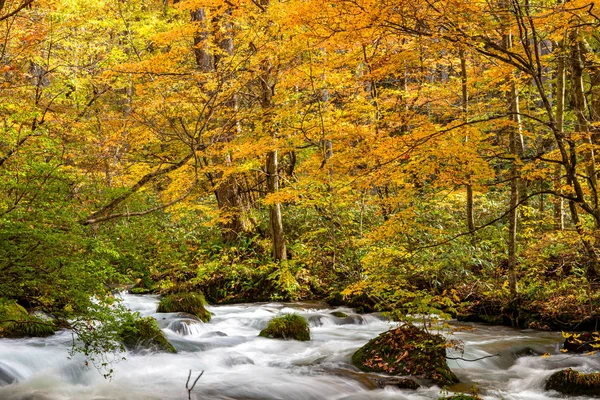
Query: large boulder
582	342
191	303
287	326
18	323
144	333
406	351
572	383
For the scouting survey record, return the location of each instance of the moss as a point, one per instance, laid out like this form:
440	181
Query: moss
20	324
143	286
571	382
144	333
339	314
406	350
287	326
191	303
139	290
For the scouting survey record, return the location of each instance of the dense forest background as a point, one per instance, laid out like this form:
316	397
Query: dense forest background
413	156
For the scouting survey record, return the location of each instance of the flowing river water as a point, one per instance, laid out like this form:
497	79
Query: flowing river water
240	365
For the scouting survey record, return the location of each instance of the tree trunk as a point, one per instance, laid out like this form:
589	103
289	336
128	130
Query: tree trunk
559	221
465	111
227	189
266	82
516	147
275	219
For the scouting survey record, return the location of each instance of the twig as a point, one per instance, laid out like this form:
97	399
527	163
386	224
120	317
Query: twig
475	359
189	389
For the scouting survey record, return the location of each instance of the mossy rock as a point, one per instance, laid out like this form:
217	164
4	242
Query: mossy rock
20	324
144	333
460	396
339	314
143	286
287	326
407	351
191	303
572	383
397	382
141	290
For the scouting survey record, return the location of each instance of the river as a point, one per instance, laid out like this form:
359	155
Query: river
240	365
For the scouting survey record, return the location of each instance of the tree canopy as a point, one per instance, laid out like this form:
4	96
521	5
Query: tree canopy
410	156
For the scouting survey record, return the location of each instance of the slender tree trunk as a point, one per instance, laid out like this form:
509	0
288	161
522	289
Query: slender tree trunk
580	108
275	218
267	86
465	111
227	189
516	147
559	220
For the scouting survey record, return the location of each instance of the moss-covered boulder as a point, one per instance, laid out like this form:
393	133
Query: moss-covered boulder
409	351
143	286
144	333
15	322
287	326
191	303
397	382
339	314
572	383
582	342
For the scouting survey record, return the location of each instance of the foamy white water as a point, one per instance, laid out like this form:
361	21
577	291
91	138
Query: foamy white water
240	365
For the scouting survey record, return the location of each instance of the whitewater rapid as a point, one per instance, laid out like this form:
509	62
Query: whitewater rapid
240	365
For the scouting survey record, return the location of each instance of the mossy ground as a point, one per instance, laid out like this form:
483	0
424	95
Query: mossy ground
406	350
573	383
287	326
144	333
191	303
18	322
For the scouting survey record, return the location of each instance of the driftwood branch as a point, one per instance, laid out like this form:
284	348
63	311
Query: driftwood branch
475	359
187	383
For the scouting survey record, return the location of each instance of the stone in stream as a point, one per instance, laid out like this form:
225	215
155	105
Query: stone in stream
287	326
406	351
572	383
20	324
143	333
584	342
460	396
7	375
214	334
233	360
397	382
339	314
191	303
